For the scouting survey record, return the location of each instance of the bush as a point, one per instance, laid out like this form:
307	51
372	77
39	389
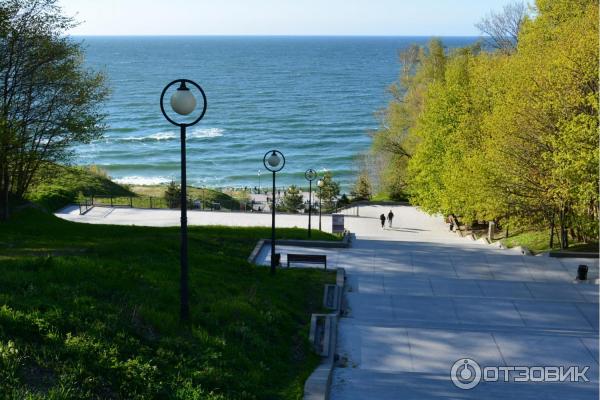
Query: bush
173	195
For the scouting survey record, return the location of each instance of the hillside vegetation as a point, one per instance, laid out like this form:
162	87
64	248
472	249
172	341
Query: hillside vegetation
508	135
91	312
56	186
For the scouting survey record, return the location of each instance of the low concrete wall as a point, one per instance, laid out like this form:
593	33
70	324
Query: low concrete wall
318	384
573	254
322	244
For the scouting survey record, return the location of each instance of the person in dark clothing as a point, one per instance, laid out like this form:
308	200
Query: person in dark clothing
390	217
382	218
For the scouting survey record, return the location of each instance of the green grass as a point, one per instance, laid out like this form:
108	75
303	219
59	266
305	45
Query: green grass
535	241
57	186
233	201
382	196
91	312
538	241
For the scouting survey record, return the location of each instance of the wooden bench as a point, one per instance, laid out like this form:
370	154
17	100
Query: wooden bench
307	258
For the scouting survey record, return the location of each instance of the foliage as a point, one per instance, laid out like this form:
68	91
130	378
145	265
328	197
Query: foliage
205	195
395	140
488	134
344	200
362	187
173	195
292	200
91	312
56	186
48	99
329	191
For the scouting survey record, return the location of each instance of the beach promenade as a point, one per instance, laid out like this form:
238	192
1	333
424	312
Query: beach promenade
420	298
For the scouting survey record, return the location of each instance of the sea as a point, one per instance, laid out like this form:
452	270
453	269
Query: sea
315	99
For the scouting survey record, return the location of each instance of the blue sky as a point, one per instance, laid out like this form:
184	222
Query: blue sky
279	17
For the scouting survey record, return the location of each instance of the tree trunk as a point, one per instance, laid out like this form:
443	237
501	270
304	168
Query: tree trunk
561	222
552	232
4	190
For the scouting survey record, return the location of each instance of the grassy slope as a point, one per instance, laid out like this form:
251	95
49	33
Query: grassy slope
539	241
90	311
207	195
57	185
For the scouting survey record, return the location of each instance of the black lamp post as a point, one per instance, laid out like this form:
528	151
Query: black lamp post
273	161
310	176
320	184
183	102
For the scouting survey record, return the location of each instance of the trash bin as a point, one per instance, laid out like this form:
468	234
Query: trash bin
582	272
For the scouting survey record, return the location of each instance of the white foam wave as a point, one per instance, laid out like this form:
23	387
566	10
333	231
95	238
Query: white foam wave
205	133
143	180
197	133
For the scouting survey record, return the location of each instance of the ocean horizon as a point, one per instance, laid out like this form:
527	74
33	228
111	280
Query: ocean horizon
314	98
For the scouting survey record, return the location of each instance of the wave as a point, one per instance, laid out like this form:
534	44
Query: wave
143	180
198	133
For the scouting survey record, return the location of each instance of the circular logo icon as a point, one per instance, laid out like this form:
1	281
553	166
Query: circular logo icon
465	373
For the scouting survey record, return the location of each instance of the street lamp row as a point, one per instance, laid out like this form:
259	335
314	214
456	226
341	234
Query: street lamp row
183	102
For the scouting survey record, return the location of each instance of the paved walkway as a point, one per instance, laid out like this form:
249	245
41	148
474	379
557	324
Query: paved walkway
421	298
163	217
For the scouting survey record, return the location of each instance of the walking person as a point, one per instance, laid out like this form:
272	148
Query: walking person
390	217
382	218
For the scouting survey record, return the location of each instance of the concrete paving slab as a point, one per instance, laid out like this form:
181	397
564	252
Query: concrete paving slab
589	291
417	308
511	273
436	350
356	384
505	289
591	343
488	312
554	291
455	288
406	286
369	284
591	313
473	271
552	315
370	308
385	349
518	350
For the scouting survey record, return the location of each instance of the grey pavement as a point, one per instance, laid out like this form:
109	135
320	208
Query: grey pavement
421	298
164	217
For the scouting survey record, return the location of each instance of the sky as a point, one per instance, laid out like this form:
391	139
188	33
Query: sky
279	17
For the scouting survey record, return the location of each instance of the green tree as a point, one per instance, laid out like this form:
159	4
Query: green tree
500	130
292	200
395	141
173	195
328	192
362	187
545	123
48	99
